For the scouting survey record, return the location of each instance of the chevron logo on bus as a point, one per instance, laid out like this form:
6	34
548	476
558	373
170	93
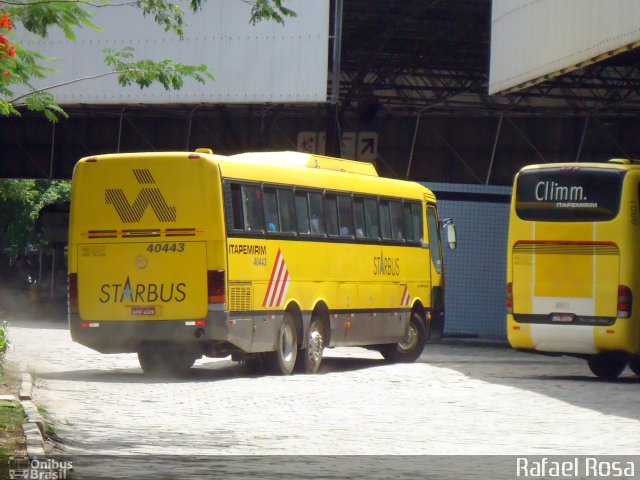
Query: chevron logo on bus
406	298
147	197
278	283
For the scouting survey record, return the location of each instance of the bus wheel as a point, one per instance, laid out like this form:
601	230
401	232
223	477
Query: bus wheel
283	359
410	350
310	358
608	365
634	364
159	359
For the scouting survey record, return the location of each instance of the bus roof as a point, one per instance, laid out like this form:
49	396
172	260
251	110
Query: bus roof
306	160
614	163
305	169
298	168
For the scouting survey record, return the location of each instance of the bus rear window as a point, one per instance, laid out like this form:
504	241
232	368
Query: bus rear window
571	194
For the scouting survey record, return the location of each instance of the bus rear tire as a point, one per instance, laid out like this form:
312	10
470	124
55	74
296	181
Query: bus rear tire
634	364
608	365
407	352
283	359
310	358
163	359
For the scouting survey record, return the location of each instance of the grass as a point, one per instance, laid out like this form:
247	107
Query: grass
49	429
12	442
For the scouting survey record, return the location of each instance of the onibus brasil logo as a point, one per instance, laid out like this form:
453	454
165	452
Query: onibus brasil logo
147	197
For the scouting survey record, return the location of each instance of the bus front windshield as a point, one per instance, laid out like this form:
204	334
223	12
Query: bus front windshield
569	194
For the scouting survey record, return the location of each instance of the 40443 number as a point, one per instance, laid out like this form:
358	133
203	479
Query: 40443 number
165	247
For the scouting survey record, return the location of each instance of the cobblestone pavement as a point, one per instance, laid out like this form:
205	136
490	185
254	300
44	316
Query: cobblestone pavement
458	398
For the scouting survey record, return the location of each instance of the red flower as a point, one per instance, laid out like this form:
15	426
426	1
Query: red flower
6	74
5	22
12	51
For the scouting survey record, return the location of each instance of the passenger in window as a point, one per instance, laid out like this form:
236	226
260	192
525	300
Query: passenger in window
271	227
359	233
344	231
315	225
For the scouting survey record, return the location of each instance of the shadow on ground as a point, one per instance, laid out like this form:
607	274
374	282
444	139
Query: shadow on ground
564	378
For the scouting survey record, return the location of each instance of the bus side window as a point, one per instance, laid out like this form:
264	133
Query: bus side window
286	210
371	218
345	216
358	216
396	221
385	219
252	208
331	211
316	213
271	210
407	223
302	212
237	218
416	221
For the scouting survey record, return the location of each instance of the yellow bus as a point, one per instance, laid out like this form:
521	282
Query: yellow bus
573	263
267	257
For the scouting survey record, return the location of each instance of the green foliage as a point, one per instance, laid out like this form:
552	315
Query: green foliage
20	203
5	343
39	17
45	103
143	73
166	14
270	10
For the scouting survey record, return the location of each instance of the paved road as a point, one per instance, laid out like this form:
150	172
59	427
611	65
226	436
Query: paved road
457	399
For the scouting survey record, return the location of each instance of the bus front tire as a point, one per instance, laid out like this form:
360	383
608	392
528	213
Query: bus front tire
409	351
608	365
634	364
283	359
165	360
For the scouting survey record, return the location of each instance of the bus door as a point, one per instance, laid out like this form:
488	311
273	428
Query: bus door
436	307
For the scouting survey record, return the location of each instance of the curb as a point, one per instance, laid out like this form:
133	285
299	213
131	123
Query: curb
33	428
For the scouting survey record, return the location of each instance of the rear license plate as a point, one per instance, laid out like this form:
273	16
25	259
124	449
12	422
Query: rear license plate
144	311
562	317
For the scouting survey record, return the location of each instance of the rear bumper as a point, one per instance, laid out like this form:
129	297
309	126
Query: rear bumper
219	332
576	339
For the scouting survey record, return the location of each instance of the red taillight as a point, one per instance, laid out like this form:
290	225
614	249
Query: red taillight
215	286
624	301
509	297
72	293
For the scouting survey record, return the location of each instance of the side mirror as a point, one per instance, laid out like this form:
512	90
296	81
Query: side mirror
451	236
450	229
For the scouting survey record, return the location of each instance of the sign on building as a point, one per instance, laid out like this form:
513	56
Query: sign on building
355	145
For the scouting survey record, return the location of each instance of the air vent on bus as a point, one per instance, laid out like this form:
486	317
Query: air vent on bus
102	234
566	248
240	298
143	233
147	232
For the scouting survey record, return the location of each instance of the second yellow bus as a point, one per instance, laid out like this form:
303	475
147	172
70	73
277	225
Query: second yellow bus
573	262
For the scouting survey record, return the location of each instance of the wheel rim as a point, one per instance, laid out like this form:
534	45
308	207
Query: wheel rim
316	345
287	344
412	341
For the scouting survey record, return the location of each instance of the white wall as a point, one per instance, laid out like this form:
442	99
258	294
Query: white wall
267	62
534	38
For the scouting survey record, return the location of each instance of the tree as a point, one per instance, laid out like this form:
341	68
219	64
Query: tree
20	204
18	65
